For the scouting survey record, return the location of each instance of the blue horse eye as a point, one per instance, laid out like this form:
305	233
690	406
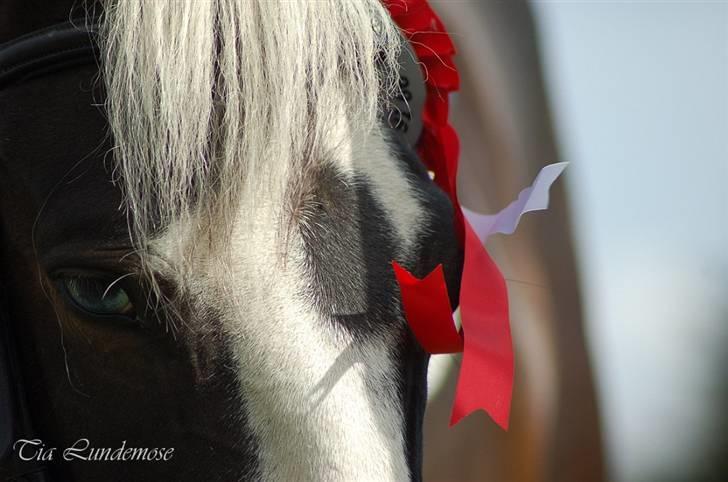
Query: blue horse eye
98	296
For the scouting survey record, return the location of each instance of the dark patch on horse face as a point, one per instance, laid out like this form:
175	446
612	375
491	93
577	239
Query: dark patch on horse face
139	384
349	244
347	236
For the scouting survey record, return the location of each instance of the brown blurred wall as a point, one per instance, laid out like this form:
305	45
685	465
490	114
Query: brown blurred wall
502	116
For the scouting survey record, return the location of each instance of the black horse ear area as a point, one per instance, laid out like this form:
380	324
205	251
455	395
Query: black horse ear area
405	112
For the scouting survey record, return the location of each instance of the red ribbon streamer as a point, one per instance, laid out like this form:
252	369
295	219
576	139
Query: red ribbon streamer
486	373
428	311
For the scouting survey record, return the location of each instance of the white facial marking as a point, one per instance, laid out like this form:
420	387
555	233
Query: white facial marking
321	406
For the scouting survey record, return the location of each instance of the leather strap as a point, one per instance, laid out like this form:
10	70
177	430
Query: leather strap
57	47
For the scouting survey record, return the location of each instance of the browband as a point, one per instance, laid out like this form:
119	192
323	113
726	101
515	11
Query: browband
54	48
73	43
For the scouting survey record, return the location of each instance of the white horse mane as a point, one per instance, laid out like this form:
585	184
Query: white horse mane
209	97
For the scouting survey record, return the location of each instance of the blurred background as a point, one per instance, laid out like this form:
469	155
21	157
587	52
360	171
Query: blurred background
618	291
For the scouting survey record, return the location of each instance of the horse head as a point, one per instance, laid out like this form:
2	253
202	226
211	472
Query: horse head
198	222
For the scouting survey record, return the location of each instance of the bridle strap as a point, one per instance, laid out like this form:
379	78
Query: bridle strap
54	48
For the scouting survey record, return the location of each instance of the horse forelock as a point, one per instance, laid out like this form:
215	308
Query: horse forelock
208	99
